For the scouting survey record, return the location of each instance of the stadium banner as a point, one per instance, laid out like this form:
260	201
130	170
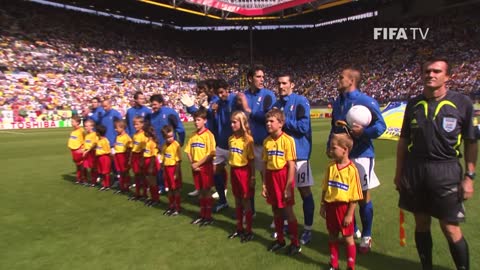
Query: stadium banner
317	113
35	124
393	116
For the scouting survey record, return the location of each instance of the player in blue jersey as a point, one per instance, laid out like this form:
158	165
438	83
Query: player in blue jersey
221	111
163	115
205	99
256	101
362	153
107	119
95	112
298	125
138	109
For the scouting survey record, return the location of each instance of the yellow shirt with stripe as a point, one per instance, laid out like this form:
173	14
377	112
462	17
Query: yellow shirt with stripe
139	141
342	185
277	152
151	148
201	145
171	154
103	147
241	151
76	139
123	143
90	139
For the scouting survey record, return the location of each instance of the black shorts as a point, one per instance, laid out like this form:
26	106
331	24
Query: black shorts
433	188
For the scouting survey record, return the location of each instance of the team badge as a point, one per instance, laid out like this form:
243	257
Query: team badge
259	99
449	124
291	108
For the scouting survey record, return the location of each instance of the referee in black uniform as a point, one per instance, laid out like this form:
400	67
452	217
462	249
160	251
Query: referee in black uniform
429	176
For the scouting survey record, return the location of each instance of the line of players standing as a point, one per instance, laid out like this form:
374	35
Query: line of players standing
255	102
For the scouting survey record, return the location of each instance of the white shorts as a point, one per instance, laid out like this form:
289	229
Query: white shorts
368	178
221	156
259	162
303	176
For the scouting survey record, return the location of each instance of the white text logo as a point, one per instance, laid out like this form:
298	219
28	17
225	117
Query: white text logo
392	33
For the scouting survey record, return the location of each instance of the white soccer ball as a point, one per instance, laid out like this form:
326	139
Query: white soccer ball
359	115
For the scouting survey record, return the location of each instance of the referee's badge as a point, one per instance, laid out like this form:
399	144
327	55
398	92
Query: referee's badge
449	124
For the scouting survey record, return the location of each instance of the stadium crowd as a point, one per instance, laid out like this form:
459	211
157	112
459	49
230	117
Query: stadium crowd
60	60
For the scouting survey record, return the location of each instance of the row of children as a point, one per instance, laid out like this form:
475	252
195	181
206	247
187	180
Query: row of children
340	192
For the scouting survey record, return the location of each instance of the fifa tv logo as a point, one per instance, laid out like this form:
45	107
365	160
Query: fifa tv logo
404	33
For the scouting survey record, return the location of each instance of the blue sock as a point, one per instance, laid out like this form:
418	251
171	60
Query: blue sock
220	187
308	210
160	182
366	214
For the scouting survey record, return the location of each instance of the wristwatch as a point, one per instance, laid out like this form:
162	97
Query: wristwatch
470	175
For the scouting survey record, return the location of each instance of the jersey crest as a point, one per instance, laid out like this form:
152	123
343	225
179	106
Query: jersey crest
449	124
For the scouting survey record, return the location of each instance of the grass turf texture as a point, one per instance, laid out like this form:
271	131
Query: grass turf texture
47	222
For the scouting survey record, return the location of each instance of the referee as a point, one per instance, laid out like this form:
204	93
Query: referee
429	176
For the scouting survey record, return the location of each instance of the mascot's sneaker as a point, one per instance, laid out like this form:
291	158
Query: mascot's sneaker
365	244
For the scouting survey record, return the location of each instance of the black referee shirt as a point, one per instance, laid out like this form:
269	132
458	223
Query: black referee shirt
435	129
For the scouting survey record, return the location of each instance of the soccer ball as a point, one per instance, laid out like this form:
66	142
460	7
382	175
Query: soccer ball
359	115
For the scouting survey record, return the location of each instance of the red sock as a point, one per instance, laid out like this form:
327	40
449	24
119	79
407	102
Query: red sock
178	202
154	193
138	184
106	180
351	256
126	182
249	219
94	176
208	211
333	246
121	181
202	207
143	185
279	229
239	213
293	230
84	175
171	201
79	174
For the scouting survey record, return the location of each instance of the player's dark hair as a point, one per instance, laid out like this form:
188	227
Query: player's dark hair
201	113
166	129
221	84
96	98
158	98
285	74
149	132
101	130
438	59
137	94
251	72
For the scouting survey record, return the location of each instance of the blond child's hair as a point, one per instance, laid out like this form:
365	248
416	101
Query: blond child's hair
245	127
343	140
277	113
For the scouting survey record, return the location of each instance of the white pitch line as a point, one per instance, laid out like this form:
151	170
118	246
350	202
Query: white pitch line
12	132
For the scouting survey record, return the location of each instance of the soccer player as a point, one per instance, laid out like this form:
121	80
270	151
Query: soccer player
221	111
163	115
298	125
122	152
107	120
429	176
102	151
136	159
151	165
90	159
171	158
256	101
138	109
75	143
242	172
341	190
200	150
362	154
279	155
96	111
206	97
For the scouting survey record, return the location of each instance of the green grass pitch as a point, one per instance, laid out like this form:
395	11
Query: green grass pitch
47	222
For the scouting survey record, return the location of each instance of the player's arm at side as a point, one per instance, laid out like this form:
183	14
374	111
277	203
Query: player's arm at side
259	115
322	206
178	165
301	123
290	178
378	126
401	157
